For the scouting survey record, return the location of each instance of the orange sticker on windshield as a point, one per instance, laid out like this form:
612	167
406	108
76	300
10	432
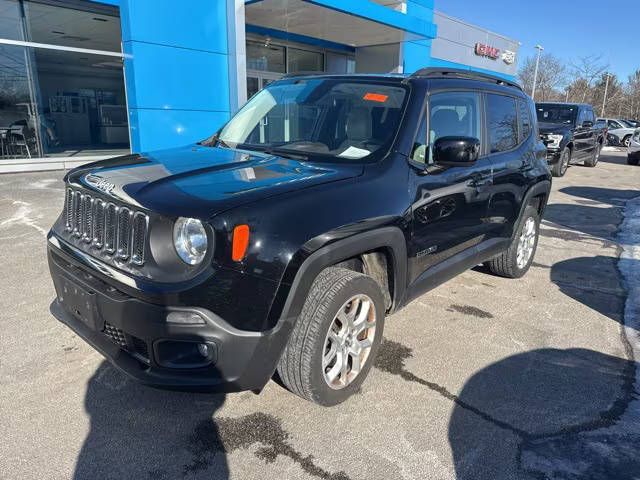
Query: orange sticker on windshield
376	97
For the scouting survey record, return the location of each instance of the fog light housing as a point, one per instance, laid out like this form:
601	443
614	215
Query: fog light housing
184	354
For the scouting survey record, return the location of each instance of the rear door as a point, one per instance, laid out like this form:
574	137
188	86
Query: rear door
584	140
512	150
449	204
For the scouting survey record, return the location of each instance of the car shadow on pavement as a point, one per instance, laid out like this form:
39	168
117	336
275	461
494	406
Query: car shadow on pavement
546	413
617	159
140	432
594	282
612	196
593	221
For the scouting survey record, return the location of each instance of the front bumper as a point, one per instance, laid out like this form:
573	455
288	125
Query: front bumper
553	156
127	331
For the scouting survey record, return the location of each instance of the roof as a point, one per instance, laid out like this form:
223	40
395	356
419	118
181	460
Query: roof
426	73
569	104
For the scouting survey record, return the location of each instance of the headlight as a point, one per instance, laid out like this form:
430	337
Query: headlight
190	240
554	140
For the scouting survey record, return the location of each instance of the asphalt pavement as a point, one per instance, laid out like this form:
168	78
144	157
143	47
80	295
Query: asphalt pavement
481	378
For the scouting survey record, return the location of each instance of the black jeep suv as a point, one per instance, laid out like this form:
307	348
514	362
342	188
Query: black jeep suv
281	242
570	132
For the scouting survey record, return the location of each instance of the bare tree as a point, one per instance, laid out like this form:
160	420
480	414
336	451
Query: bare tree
552	76
615	95
586	70
634	94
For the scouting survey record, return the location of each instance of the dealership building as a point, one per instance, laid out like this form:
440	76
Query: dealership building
82	80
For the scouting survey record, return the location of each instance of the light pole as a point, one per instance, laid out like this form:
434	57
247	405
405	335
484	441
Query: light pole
604	99
535	73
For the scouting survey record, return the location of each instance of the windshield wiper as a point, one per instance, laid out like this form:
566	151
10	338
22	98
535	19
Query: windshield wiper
286	154
214	141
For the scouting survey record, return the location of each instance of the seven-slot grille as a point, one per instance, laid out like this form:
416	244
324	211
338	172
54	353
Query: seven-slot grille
106	226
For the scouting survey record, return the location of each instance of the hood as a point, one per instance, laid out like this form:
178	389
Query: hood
559	128
198	181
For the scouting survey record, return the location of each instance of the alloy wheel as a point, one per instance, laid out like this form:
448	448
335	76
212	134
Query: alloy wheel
526	243
564	163
348	343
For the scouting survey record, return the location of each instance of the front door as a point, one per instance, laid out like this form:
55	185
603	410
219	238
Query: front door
449	204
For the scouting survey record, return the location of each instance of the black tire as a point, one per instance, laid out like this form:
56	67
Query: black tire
626	141
593	161
560	168
632	161
506	265
300	366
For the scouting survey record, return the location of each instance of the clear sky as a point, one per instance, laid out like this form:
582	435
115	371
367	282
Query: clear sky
566	28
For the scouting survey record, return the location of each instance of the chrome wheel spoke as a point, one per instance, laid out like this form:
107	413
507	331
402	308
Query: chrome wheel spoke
330	355
333	372
356	364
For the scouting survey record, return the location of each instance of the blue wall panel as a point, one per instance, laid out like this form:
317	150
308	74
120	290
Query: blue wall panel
157	129
177	70
196	24
176	78
417	54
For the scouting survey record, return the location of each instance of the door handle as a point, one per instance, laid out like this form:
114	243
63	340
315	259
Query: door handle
479	180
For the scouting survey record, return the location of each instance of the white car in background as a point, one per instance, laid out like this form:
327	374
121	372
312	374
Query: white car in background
633	152
620	129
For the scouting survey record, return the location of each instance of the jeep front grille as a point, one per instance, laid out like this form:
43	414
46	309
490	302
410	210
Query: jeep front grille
106	227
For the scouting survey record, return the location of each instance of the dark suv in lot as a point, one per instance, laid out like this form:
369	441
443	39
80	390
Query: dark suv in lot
570	132
281	242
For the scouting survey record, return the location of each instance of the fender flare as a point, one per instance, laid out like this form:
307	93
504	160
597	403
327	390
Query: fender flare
543	186
386	237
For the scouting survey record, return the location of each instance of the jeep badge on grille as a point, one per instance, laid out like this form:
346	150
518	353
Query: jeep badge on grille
99	183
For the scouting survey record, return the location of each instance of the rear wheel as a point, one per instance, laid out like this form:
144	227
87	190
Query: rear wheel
516	260
593	161
560	168
336	337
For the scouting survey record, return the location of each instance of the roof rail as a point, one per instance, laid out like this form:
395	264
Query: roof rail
303	73
435	72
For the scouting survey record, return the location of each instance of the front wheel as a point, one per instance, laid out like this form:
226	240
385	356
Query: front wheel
560	168
335	339
593	161
627	141
516	260
633	161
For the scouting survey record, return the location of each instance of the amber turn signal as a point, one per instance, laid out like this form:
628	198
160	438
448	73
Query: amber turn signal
240	242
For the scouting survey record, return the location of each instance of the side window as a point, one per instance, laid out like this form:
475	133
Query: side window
525	120
503	122
590	116
453	114
582	116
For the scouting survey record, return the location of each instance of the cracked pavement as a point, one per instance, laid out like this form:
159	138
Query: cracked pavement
481	378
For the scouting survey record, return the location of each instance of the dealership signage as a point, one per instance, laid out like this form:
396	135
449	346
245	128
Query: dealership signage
493	53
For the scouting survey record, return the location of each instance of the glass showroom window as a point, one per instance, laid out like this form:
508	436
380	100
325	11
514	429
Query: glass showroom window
62	91
18	119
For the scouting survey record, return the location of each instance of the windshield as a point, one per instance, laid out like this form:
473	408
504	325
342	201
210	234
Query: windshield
556	113
319	118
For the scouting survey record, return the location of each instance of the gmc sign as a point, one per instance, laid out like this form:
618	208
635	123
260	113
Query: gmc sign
487	51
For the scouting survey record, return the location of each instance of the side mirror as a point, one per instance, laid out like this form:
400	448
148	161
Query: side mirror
587	124
456	151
